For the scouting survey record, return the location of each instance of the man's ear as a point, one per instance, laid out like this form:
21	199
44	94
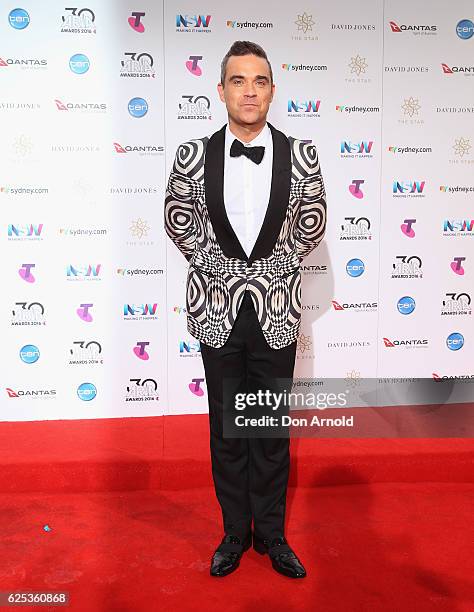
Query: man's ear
220	89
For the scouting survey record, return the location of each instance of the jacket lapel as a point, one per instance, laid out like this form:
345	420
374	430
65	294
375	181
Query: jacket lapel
279	196
277	205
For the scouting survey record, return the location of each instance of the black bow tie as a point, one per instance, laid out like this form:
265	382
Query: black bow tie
254	153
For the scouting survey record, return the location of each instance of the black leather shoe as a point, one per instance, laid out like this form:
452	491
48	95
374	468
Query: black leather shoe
226	559
283	558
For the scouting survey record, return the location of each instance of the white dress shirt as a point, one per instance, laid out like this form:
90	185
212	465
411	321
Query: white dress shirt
247	187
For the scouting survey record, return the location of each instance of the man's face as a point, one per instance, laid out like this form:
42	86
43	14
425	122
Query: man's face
247	90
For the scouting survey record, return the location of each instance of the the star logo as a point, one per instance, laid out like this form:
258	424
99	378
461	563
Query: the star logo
305	23
23	145
462	146
411	106
139	228
81	187
353	378
303	343
358	65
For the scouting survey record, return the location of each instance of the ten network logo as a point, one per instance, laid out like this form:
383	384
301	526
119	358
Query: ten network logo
135	21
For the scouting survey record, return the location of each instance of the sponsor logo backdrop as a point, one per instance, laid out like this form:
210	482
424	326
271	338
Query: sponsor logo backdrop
94	100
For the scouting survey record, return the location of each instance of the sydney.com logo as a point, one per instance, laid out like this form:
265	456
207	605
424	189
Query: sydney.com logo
249	24
303	67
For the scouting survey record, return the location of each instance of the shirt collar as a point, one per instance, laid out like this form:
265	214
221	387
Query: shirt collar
259	141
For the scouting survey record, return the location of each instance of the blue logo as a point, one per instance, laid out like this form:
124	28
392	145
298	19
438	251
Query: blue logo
29	353
455	341
355	267
406	305
79	63
138	107
19	19
86	392
465	29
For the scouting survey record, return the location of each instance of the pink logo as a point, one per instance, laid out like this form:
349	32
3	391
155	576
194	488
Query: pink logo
135	22
140	351
456	265
407	229
25	273
60	105
83	312
355	189
192	65
195	387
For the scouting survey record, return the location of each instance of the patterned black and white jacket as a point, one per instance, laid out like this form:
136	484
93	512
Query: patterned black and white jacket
219	269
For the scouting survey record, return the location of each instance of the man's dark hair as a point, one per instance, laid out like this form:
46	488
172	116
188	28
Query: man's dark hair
244	47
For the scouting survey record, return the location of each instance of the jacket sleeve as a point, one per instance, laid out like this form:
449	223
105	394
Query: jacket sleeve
311	220
179	205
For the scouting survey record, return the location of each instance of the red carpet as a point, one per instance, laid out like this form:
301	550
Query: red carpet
380	524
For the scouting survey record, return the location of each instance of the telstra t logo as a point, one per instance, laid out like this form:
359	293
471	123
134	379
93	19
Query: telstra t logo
140	351
135	22
192	65
407	228
25	272
194	386
456	265
83	312
355	189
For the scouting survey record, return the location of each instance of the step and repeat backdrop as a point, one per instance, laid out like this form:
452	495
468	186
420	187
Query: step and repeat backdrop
94	100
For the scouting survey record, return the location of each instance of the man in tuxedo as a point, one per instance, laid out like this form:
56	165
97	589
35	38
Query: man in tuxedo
245	206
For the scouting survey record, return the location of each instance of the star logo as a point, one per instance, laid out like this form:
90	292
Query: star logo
303	343
353	378
23	145
81	187
410	106
139	228
358	65
462	146
305	23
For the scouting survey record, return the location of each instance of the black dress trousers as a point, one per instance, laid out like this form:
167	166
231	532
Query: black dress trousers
250	474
